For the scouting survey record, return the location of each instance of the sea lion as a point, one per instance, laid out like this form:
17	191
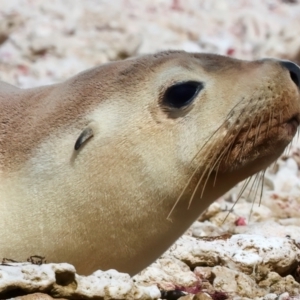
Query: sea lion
109	168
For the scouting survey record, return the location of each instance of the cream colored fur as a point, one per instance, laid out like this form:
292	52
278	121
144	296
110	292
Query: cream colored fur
107	204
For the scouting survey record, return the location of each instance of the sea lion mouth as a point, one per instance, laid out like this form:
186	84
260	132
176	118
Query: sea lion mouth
257	139
292	125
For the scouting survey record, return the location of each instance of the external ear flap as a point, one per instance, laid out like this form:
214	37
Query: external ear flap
86	134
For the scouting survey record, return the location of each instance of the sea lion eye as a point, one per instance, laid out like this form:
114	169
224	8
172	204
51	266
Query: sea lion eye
182	94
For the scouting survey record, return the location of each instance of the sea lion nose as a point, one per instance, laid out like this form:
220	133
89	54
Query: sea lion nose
294	71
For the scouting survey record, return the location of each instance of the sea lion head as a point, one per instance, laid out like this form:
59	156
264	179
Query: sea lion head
193	119
198	116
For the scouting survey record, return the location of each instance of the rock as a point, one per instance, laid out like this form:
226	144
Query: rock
203	273
168	273
202	296
187	297
207	228
270	297
284	296
8	23
37	296
277	284
224	219
211	211
61	281
250	254
253	212
198	296
274	229
237	283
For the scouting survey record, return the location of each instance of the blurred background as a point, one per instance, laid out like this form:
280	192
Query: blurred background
47	41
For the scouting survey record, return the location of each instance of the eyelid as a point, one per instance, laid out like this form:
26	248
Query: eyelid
181	94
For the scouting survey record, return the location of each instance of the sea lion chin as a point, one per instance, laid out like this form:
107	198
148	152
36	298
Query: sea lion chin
109	168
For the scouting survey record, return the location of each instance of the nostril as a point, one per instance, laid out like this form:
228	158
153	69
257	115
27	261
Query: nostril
294	71
294	77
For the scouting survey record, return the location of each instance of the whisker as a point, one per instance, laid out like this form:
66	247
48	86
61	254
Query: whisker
210	168
289	148
228	117
238	132
269	122
260	176
232	144
263	172
214	165
250	127
194	172
274	165
256	181
245	184
248	131
217	162
197	186
198	167
252	185
217	170
258	130
196	155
